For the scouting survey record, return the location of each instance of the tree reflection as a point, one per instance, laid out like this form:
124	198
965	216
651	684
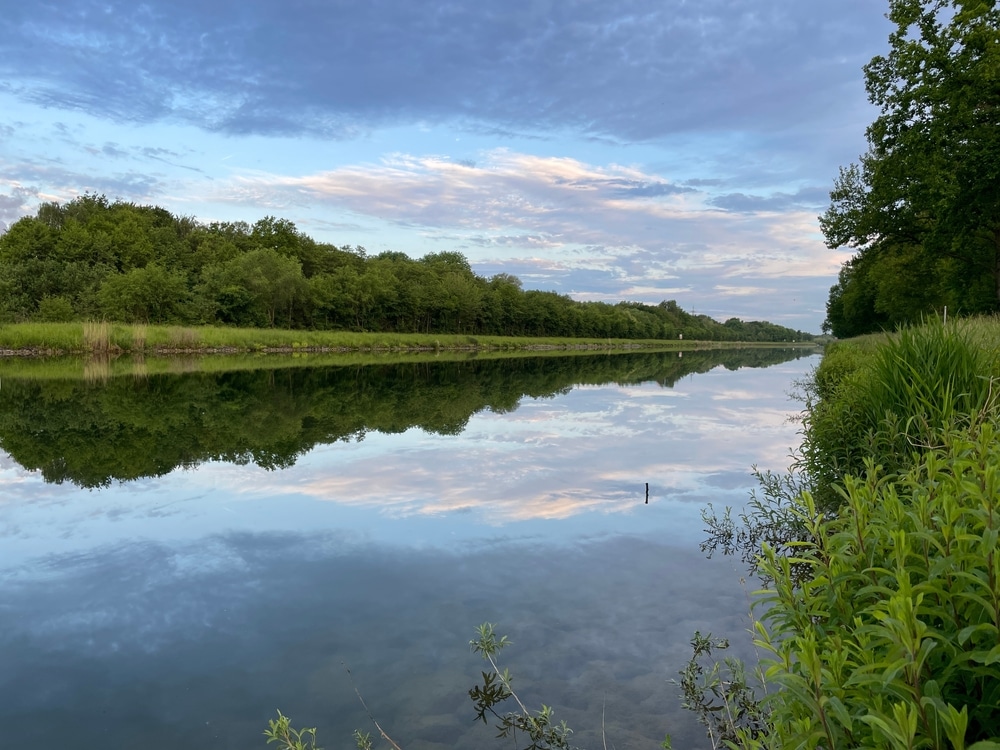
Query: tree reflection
93	432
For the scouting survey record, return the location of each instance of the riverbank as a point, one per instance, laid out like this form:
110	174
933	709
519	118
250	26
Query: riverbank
103	338
882	614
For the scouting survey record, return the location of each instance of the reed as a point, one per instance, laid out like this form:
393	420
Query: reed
183	338
139	333
97	336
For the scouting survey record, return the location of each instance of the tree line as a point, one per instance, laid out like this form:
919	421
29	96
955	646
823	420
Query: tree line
921	208
92	258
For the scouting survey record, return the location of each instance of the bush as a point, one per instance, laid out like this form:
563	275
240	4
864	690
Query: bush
892	642
55	310
882	606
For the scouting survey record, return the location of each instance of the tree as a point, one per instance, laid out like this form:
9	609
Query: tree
151	294
274	280
922	207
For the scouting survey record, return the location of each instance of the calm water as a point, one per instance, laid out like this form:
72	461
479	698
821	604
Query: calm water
184	554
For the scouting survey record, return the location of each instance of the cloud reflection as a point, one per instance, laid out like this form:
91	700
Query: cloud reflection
152	640
589	452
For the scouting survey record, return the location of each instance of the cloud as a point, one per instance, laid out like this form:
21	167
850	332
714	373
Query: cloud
743	291
62	183
632	70
558	209
507	191
14	205
812	197
635	189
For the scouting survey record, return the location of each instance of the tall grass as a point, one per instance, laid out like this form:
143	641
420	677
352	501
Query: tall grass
139	335
182	338
44	337
97	336
888	399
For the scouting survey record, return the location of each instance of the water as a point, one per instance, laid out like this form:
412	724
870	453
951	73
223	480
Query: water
185	554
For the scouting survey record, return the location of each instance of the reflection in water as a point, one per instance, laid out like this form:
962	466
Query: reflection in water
92	432
181	611
153	647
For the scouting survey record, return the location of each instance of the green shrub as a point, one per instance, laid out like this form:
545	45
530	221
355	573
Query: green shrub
882	610
839	360
55	310
894	640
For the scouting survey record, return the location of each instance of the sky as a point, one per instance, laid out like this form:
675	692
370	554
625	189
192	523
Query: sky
637	149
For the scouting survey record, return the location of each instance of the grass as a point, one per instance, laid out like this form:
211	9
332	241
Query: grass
885	398
119	338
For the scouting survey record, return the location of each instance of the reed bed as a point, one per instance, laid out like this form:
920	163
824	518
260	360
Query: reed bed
140	334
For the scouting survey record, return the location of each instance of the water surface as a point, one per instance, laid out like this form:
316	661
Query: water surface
184	554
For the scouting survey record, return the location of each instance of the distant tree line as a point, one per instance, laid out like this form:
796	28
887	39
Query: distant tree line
92	258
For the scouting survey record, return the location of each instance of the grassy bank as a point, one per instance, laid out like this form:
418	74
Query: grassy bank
120	338
882	398
881	621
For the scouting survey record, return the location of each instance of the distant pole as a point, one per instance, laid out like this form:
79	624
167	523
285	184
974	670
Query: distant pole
647	493
946	314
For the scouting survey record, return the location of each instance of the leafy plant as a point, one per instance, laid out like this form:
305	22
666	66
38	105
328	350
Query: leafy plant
892	642
538	728
287	737
281	732
892	404
726	703
766	520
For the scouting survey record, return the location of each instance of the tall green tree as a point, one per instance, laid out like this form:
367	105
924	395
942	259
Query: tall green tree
150	294
922	207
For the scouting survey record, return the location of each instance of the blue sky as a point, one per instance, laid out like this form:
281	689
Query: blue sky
636	149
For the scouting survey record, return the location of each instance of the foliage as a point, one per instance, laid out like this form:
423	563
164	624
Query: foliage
55	310
281	732
766	521
287	737
139	263
151	294
892	641
538	728
883	400
922	206
726	703
882	606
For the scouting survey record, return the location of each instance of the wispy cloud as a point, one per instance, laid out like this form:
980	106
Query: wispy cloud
812	197
62	182
564	210
14	204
